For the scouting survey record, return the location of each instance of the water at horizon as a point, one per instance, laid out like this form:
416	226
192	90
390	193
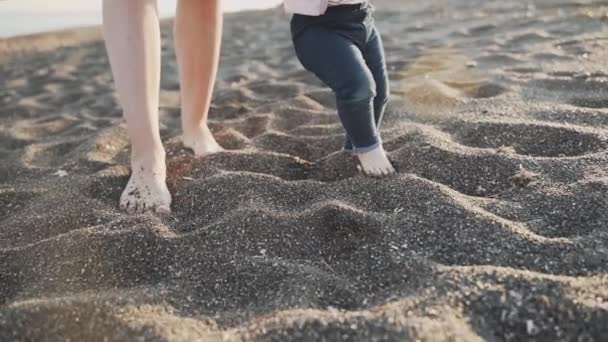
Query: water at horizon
21	17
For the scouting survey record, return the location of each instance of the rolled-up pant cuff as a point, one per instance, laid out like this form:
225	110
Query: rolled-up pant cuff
352	149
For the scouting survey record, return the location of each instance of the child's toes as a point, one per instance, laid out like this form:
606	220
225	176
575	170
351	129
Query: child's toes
379	172
376	172
388	172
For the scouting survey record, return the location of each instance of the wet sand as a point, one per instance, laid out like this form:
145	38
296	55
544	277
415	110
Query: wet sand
494	229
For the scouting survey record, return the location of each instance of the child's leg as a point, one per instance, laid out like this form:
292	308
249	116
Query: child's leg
374	57
376	61
198	29
339	63
132	35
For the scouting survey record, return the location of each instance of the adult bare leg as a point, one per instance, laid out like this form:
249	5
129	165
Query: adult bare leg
198	32
132	34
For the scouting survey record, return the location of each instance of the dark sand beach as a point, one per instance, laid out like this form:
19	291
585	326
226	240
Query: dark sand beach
494	229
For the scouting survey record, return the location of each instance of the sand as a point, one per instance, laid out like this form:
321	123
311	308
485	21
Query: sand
494	229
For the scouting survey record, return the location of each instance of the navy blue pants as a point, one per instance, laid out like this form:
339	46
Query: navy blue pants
344	49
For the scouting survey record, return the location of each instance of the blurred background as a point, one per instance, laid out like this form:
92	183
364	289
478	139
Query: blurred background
19	17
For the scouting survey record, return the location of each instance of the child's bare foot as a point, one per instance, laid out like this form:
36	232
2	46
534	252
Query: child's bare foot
147	188
201	141
375	163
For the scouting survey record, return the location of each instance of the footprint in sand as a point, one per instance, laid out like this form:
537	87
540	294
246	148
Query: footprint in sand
531	139
441	80
578	92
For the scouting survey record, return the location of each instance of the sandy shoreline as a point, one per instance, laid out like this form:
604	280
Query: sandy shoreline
494	229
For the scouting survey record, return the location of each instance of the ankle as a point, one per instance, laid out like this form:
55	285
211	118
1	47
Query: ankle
197	128
378	150
151	159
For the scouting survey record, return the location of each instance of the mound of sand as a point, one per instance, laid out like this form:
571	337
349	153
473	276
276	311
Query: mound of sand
494	229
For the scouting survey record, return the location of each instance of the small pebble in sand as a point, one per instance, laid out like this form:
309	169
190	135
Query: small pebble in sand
531	328
61	173
524	178
507	150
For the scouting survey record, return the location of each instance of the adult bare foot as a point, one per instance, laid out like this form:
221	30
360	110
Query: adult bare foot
147	188
375	163
200	141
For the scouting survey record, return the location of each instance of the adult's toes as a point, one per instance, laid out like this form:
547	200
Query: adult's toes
143	207
127	206
132	208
